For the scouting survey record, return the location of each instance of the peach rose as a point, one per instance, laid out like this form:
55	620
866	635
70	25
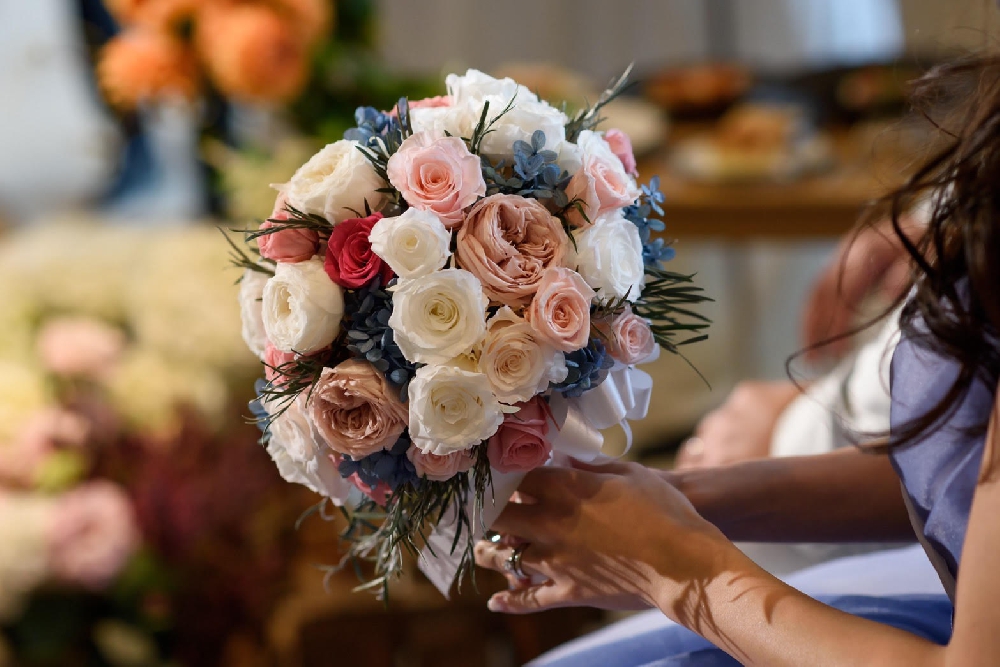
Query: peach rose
621	146
508	242
438	175
80	346
291	244
252	54
142	65
632	339
521	444
601	183
440	467
355	411
560	311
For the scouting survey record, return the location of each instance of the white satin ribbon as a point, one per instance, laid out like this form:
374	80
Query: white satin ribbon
624	395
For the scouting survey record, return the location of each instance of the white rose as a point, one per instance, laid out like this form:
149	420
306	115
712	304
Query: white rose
335	183
438	317
302	457
475	85
252	311
439	121
520	123
302	307
413	244
451	409
609	257
517	362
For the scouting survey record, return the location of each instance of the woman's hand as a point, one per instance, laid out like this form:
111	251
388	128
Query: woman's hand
617	536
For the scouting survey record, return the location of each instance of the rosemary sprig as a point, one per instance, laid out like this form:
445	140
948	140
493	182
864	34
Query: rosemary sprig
239	258
589	118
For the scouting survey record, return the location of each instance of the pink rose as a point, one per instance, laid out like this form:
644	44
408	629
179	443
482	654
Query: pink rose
288	244
274	360
440	467
601	184
632	338
93	535
621	146
438	175
520	445
508	242
560	311
437	102
350	261
355	411
80	346
37	439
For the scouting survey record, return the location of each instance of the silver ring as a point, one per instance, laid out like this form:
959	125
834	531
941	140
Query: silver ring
513	563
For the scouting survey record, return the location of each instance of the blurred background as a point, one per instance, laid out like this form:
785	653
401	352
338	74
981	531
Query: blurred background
140	524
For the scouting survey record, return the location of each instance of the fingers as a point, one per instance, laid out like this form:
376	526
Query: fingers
495	556
528	600
691	454
526	521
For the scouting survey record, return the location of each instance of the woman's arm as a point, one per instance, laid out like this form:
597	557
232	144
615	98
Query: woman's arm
844	496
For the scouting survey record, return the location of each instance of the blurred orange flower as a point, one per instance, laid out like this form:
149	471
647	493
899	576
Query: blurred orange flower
156	14
252	54
312	20
140	65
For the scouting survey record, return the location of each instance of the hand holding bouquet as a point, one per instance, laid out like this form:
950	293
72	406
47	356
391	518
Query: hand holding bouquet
454	291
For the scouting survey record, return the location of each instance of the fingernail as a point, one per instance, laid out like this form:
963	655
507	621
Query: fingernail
494	605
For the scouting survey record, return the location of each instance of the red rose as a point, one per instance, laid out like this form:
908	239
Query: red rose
350	261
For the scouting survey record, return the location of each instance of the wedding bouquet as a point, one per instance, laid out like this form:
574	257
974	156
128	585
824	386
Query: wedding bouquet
443	299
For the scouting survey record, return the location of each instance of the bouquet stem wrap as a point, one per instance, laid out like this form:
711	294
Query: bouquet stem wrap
624	396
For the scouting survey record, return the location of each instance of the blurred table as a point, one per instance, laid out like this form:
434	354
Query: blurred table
868	164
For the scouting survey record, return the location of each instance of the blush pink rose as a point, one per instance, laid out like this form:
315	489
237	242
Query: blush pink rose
521	444
438	175
80	346
355	410
440	467
350	261
632	338
621	146
508	242
560	311
274	360
286	244
601	185
93	535
436	102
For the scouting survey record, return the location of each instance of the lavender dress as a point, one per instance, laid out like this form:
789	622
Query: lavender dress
938	475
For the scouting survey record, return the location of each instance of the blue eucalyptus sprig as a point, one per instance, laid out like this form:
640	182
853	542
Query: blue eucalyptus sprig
534	173
379	136
391	466
587	368
654	251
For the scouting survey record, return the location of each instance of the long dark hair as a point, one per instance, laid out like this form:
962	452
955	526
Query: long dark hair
954	307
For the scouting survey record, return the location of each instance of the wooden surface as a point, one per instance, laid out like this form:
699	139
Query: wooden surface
868	164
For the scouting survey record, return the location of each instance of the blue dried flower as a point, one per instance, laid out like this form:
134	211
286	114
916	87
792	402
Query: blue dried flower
261	418
390	466
535	172
587	368
654	251
372	125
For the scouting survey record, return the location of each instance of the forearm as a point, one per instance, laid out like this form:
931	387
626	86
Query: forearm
761	621
844	496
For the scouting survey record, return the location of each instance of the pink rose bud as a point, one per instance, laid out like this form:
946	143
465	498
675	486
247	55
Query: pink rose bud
632	338
621	146
521	445
440	467
274	361
288	244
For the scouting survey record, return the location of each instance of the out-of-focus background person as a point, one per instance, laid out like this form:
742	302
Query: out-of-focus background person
140	522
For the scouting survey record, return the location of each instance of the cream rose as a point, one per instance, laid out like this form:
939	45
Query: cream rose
601	183
302	307
355	411
609	257
300	454
560	311
252	311
438	174
335	183
438	317
451	410
413	244
507	242
440	467
517	360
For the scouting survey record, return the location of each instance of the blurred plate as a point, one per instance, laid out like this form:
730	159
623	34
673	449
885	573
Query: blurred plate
643	122
700	158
